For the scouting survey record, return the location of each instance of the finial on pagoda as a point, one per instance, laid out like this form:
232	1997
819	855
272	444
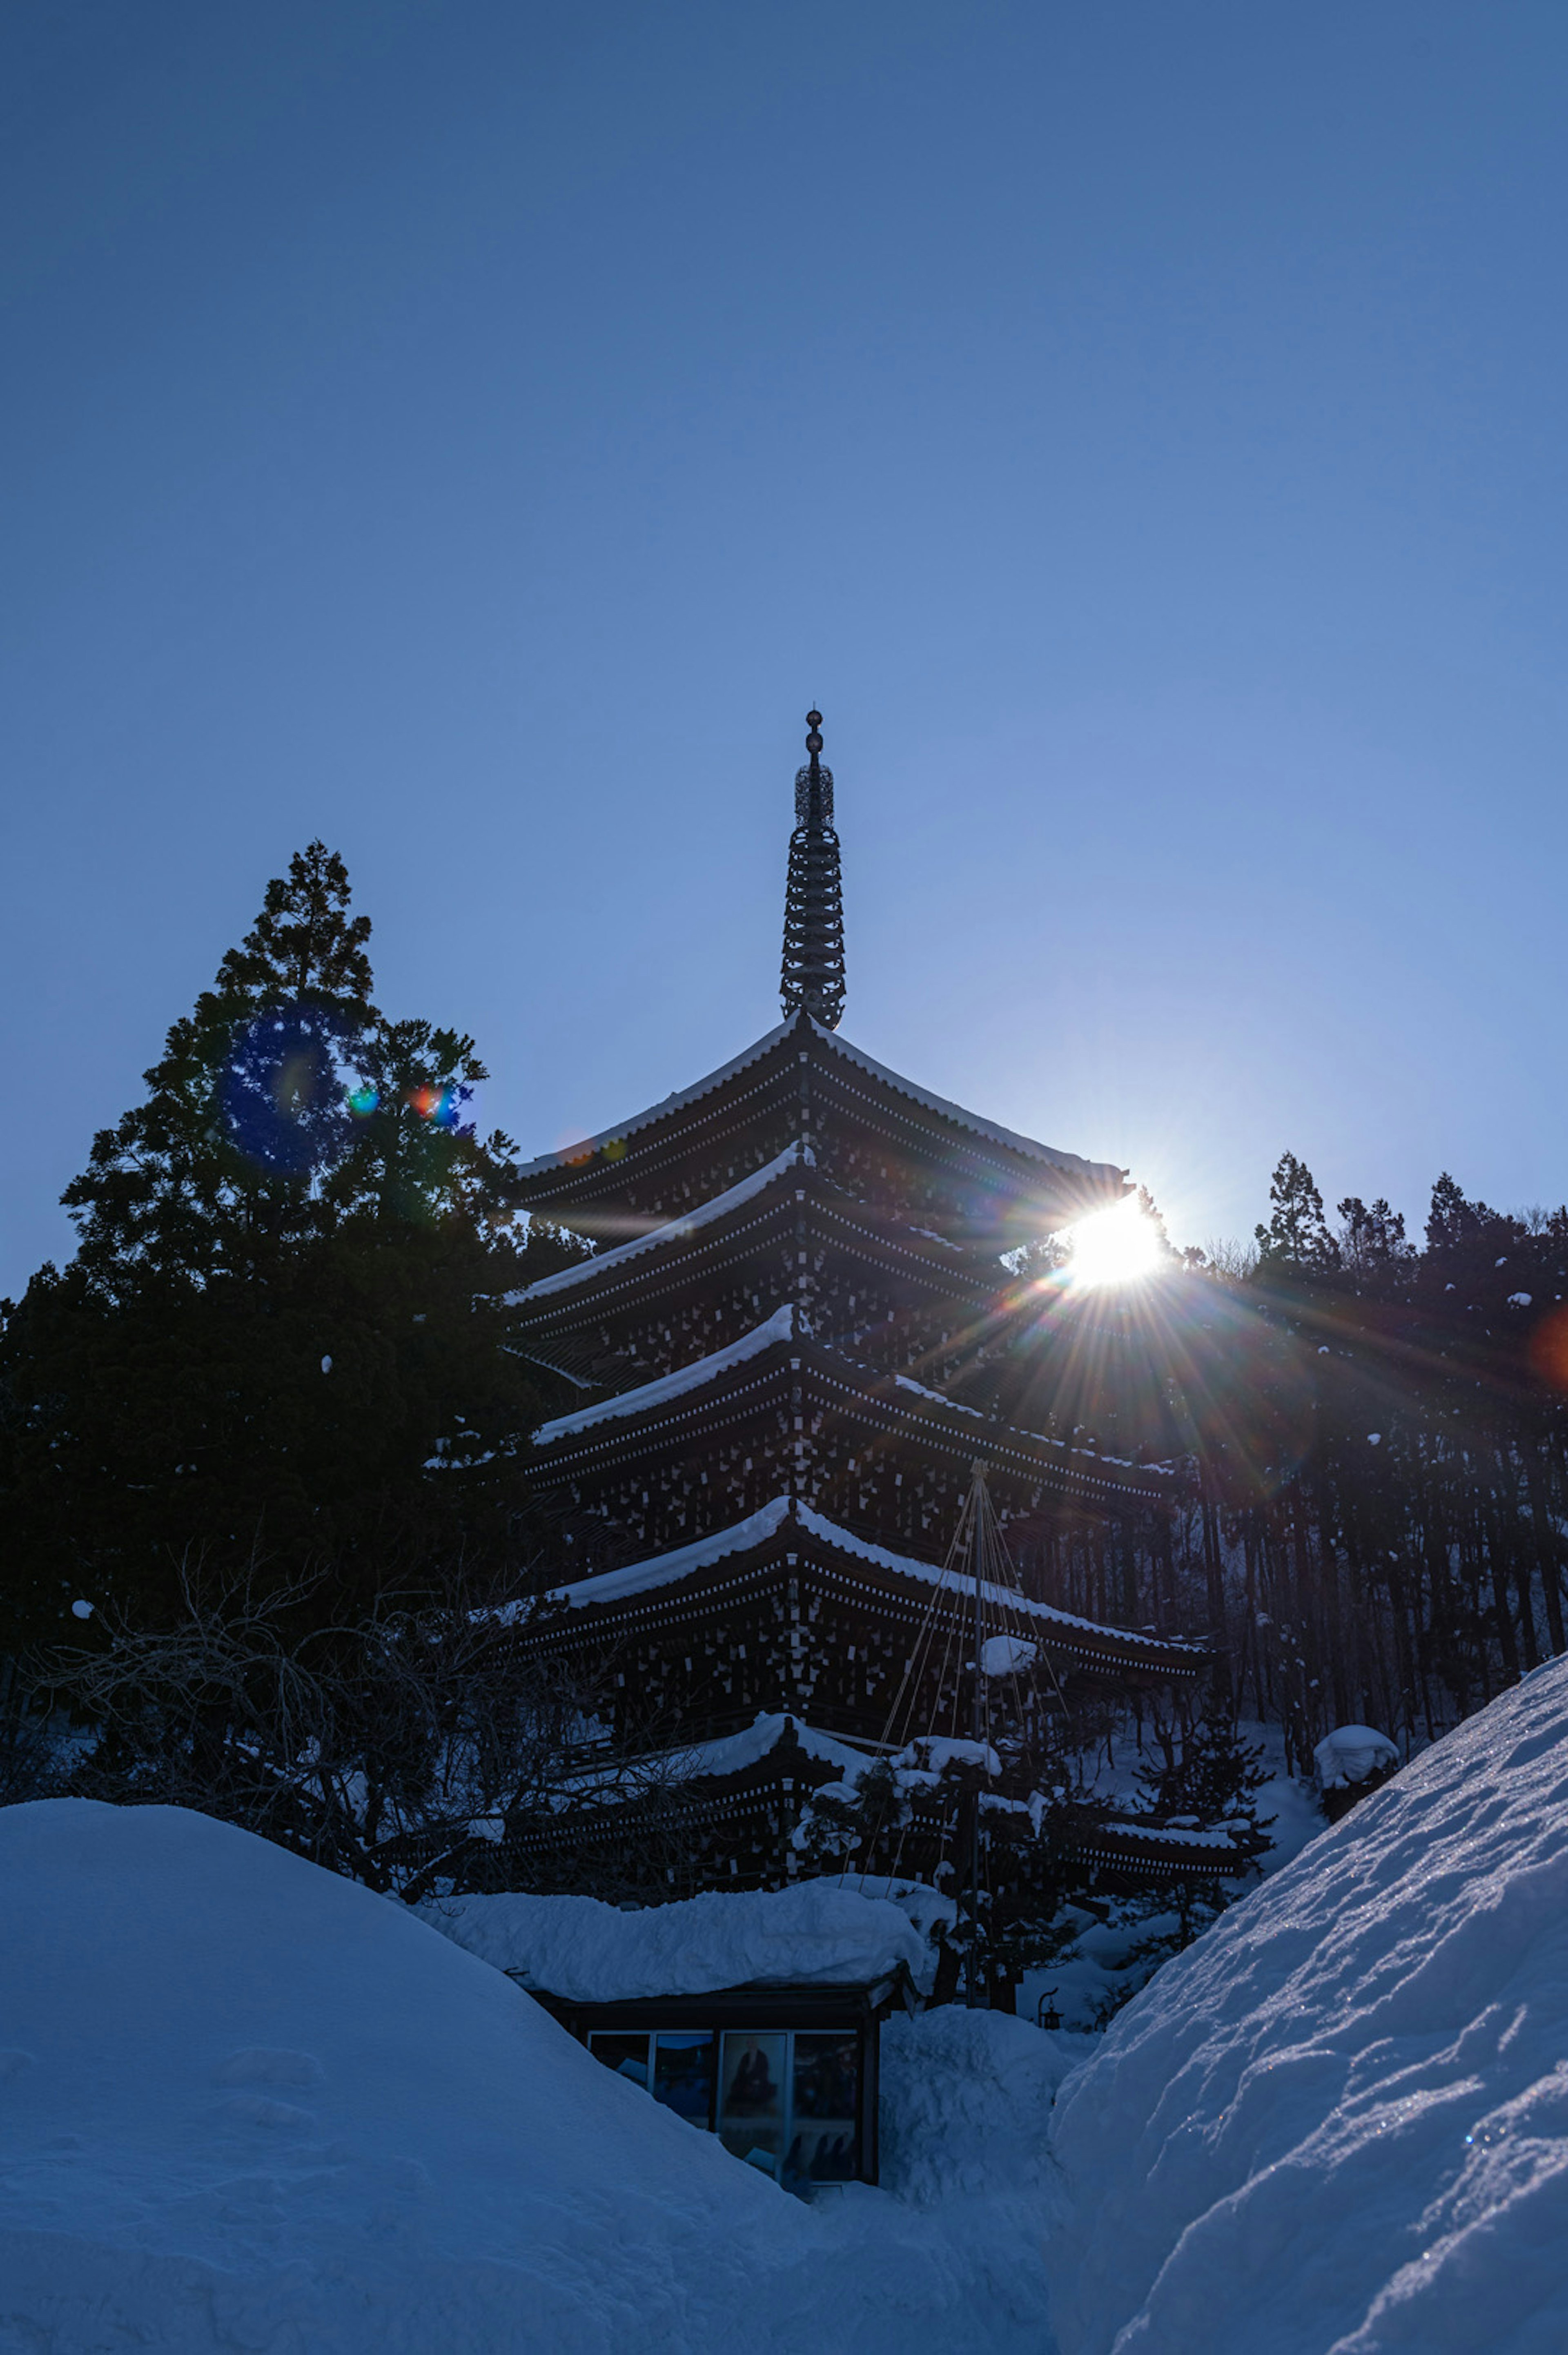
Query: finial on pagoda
812	981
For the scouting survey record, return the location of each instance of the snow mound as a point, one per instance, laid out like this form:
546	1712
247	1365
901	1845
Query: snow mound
965	2129
814	1934
246	2105
1338	2124
965	2109
1351	1755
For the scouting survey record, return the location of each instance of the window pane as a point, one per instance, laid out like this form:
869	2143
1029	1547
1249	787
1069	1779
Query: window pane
751	2105
753	2074
627	2055
824	2140
683	2074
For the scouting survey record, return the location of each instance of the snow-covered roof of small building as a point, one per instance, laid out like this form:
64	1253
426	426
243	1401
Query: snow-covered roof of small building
815	1933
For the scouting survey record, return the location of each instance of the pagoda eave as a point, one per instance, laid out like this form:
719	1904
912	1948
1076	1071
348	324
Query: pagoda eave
843	1405
802	1081
787	1543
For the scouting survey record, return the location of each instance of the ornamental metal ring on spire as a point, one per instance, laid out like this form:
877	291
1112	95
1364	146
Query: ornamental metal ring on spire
813	978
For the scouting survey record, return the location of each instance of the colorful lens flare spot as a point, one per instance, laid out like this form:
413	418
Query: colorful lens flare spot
1549	1348
438	1106
362	1102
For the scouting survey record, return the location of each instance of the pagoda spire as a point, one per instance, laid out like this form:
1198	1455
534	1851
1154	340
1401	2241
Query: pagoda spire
813	979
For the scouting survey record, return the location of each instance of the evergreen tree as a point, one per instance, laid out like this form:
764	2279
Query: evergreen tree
1371	1240
281	1338
1211	1782
1451	1221
247	1107
1297	1236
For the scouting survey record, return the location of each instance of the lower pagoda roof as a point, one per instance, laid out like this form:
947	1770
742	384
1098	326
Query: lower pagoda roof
786	1531
778	1366
781	1751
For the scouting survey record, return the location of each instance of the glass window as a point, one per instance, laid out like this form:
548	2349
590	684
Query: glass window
627	2055
754	2087
683	2074
823	2121
785	2103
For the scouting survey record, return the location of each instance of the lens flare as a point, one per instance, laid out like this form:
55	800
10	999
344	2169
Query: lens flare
1114	1246
363	1100
1549	1348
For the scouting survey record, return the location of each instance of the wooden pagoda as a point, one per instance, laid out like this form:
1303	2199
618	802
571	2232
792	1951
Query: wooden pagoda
781	1341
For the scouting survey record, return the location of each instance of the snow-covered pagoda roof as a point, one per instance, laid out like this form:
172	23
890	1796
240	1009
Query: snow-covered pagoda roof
786	1532
798	1082
611	1262
783	1513
739	1382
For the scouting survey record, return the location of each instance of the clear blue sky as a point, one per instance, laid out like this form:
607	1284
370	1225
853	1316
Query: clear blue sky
475	433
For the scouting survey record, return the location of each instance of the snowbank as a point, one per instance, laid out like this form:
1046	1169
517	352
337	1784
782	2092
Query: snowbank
967	2100
1339	2122
966	2128
246	2105
815	1935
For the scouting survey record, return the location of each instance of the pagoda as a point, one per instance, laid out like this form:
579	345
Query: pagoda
785	1340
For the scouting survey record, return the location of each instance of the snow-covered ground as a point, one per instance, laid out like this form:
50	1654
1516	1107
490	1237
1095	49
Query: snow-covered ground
1338	2124
245	2104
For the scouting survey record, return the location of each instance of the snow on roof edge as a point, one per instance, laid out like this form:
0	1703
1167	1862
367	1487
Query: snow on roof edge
796	1154
1011	1140
664	1570
675	1101
1029	1147
779	1326
788	1324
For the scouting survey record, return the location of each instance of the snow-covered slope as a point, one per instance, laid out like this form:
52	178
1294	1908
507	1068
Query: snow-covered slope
246	2105
1339	2122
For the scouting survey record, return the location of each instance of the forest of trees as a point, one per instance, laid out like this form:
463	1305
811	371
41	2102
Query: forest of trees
260	1441
1370	1435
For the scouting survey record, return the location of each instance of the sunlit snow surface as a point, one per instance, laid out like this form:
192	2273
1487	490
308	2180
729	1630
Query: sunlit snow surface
1339	2122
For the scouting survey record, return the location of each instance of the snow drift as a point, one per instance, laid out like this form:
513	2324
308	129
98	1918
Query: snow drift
246	2105
1339	2122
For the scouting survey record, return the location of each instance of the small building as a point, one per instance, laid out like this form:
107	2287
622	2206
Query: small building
755	2016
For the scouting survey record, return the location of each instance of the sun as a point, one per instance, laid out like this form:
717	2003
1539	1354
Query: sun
1114	1246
